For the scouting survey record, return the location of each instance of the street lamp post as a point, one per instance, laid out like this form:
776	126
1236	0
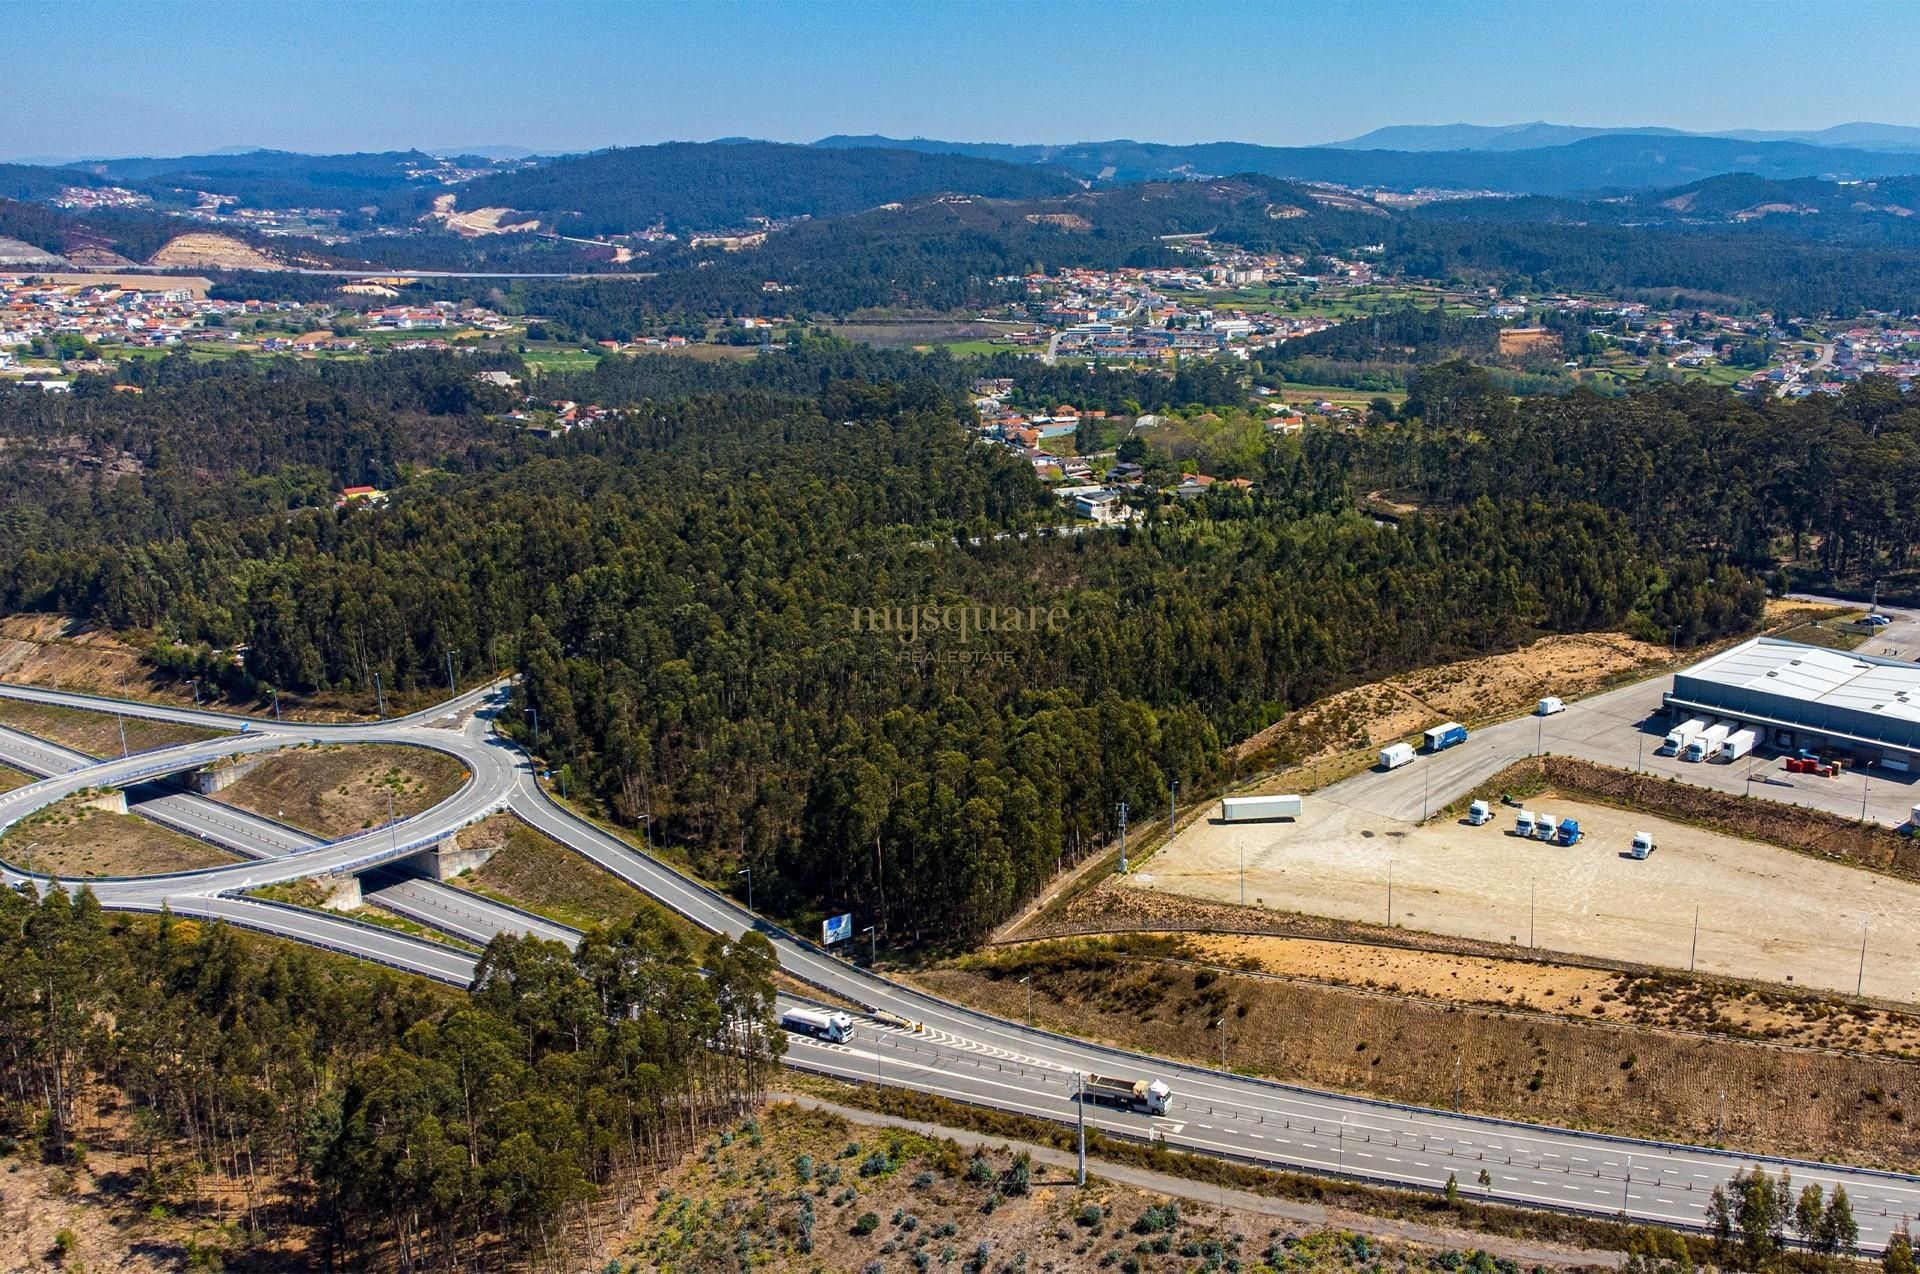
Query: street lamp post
873	946
1080	1105
379	697
121	721
453	687
1221	1026
276	703
648	816
744	871
1530	910
1027	982
1389	893
535	714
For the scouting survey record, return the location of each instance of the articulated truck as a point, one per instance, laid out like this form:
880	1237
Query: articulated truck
822	1024
1148	1096
1677	738
1707	743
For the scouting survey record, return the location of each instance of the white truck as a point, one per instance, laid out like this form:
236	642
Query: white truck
1642	844
822	1024
1523	824
1395	755
1545	827
1253	809
1677	738
1707	743
1740	743
1148	1096
1479	813
1550	705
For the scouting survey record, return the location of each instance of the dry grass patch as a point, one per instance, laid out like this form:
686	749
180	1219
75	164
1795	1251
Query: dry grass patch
71	841
96	733
337	790
1611	1077
798	1189
11	778
534	871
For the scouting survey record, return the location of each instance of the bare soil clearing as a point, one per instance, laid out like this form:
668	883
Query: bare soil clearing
212	252
334	791
73	842
1483	883
1566	1069
1467	690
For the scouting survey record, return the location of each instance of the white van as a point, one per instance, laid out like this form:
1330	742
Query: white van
1549	706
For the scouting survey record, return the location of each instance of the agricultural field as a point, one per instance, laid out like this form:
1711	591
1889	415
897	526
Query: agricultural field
336	790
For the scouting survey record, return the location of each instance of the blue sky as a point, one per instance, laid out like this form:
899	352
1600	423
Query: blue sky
107	77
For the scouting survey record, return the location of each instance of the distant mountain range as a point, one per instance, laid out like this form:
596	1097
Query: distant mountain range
1538	135
1596	164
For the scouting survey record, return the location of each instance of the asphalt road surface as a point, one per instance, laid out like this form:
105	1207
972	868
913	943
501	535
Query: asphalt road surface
973	1057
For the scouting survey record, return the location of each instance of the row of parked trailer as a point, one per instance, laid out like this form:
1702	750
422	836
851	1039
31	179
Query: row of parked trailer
1711	739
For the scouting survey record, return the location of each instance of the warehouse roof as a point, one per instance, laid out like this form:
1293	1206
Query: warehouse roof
1814	674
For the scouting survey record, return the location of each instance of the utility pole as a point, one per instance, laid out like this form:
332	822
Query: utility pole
1426	789
1694	954
1027	982
1626	1183
195	683
1456	1081
1080	1102
1530	909
1640	753
1221	1026
1389	893
393	824
453	687
1861	982
122	723
379	697
744	871
1122	807
1173	806
1863	793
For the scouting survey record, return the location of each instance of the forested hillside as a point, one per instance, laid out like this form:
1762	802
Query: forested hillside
681	585
415	1126
688	186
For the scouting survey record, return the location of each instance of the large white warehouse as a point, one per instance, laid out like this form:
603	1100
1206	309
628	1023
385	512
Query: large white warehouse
1809	696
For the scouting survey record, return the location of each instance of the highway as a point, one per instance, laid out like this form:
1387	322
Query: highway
976	1058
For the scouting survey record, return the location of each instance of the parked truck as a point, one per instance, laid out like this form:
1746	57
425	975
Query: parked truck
1445	736
1642	845
1253	809
1545	827
1523	824
1395	755
1148	1096
1550	705
1707	743
1740	743
1570	832
822	1024
1479	813
1677	738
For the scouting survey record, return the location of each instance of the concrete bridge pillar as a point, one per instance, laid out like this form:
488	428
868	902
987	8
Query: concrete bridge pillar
343	892
446	859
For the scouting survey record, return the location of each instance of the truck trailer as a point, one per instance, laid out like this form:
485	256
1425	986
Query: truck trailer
1677	738
1445	736
1395	755
1740	743
1252	809
1148	1096
1707	743
821	1024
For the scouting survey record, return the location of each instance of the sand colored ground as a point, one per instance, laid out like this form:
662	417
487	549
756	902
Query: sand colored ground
213	252
10	779
1469	690
72	842
478	221
335	791
1764	913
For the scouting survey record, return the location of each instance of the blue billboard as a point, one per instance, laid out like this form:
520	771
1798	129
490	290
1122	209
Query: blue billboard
836	929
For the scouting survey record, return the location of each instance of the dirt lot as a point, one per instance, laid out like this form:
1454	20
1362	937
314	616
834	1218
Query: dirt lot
788	1191
1469	690
212	252
1482	883
334	791
1566	1068
10	779
533	871
74	842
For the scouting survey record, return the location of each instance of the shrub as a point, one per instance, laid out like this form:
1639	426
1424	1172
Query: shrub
867	1224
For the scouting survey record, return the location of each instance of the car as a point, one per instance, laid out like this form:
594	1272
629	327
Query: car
1877	620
